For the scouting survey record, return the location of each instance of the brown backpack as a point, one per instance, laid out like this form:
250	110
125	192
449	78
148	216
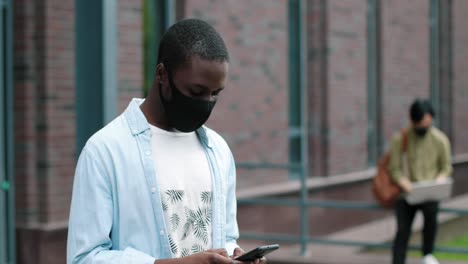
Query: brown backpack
385	190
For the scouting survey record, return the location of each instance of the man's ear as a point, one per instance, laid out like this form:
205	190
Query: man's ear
161	73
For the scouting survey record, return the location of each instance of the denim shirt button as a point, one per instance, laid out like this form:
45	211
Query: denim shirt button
148	153
161	232
153	190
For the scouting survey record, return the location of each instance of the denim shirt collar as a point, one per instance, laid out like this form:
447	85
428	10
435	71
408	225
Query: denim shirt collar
138	124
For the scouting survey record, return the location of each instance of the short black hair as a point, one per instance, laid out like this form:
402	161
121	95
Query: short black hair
419	108
188	38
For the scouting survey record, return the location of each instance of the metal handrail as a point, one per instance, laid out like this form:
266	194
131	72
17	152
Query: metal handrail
335	204
341	242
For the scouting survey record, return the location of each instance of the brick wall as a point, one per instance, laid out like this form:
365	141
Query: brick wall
347	86
45	99
59	105
25	81
44	67
316	28
45	122
44	106
130	52
460	77
405	60
252	112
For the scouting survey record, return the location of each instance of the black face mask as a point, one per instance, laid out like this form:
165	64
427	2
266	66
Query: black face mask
185	113
421	131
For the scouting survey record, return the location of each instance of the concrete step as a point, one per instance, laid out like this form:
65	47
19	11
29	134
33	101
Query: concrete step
336	255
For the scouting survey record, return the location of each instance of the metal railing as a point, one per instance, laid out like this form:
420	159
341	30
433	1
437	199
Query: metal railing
305	239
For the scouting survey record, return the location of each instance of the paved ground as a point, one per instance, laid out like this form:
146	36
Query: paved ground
337	255
377	231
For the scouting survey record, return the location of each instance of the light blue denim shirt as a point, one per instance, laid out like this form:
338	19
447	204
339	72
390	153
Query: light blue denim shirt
116	214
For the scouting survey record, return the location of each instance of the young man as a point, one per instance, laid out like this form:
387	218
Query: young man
155	185
429	159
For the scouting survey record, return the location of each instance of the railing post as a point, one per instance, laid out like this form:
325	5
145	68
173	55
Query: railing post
304	127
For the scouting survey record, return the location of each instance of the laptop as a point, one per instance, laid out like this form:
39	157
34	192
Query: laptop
429	191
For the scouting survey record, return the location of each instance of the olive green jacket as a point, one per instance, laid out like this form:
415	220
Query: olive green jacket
428	156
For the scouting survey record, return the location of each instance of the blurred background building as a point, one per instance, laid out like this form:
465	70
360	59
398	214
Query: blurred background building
315	87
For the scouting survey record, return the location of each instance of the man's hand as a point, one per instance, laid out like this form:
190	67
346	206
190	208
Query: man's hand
405	184
239	252
212	256
441	179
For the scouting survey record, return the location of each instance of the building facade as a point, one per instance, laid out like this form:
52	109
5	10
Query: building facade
353	66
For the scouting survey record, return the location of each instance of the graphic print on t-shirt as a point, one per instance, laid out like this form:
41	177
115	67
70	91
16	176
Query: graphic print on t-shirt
183	175
192	226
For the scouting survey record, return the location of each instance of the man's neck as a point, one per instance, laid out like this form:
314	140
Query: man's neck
154	112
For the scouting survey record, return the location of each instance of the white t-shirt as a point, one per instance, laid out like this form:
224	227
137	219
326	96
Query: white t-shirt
184	179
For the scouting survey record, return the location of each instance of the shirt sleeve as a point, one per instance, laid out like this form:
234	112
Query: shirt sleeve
445	158
232	230
91	214
395	166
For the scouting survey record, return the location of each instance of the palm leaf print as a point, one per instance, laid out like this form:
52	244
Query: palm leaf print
164	205
185	252
175	220
197	221
187	228
200	230
173	245
206	197
175	195
206	214
197	248
191	215
191	218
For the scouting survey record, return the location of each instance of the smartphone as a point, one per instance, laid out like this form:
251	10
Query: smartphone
258	253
